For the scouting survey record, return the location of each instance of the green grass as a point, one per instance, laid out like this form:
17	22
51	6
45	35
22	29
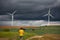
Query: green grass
8	34
15	34
28	32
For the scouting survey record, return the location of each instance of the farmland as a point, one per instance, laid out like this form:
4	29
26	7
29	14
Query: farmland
12	33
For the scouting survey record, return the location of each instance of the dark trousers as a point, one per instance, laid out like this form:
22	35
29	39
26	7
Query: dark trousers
21	37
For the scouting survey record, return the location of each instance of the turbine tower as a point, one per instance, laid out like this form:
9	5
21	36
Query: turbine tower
49	15
12	15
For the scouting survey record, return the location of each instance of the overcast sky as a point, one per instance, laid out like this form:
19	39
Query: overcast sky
29	9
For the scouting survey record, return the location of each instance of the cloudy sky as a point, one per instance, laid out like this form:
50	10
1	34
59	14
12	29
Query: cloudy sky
29	9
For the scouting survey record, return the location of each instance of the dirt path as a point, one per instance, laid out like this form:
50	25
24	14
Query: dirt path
35	37
46	37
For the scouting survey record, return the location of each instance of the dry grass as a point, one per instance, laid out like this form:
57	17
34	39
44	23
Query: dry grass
18	27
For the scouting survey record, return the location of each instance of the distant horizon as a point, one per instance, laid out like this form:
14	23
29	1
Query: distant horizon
29	23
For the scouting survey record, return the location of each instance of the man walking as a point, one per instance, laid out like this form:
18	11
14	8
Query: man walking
21	33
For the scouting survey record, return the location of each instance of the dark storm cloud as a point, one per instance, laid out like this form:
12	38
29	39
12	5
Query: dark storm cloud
29	9
29	4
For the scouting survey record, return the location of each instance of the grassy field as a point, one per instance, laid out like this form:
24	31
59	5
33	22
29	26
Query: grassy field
29	32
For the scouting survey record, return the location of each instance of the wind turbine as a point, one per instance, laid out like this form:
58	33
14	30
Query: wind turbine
12	15
49	15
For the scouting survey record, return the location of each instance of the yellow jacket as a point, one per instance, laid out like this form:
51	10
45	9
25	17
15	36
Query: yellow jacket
21	32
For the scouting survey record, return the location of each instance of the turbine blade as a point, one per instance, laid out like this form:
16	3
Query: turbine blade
14	12
9	13
52	16
45	15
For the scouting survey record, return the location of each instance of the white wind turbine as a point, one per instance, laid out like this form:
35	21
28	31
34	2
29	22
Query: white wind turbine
49	15
12	16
